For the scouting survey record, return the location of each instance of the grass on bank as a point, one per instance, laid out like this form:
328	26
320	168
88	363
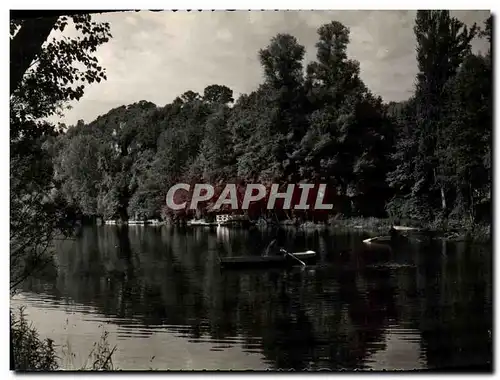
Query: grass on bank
448	229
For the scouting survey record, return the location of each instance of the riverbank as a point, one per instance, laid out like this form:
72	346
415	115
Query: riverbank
449	230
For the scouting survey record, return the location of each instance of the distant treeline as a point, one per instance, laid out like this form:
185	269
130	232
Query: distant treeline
427	158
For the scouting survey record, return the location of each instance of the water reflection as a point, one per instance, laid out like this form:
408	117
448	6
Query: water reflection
412	306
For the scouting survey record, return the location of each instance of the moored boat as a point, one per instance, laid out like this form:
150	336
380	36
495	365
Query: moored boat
378	239
200	222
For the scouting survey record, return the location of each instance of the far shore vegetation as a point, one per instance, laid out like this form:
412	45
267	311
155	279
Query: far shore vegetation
426	159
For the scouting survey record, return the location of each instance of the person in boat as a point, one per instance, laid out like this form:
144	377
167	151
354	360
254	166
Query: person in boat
393	233
272	249
275	247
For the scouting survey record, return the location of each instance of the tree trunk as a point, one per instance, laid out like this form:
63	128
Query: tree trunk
287	215
12	361
26	45
443	199
472	204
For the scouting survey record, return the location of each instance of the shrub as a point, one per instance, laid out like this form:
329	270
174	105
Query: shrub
29	351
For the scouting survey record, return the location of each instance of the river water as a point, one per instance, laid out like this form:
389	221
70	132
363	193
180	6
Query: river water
164	301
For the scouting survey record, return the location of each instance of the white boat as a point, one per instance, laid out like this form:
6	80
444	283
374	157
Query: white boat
200	222
378	239
404	228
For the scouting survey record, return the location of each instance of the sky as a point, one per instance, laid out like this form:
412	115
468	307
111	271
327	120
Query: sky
157	56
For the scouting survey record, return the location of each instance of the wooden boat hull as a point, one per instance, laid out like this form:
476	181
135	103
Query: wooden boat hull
247	262
230	223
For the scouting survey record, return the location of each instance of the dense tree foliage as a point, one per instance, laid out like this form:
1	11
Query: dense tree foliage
426	158
45	74
443	153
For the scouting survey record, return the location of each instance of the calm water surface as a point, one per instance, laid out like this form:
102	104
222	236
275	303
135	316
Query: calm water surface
160	294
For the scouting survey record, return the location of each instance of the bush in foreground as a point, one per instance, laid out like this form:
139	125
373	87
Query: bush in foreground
31	353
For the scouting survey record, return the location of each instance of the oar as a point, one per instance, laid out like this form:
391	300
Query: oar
295	257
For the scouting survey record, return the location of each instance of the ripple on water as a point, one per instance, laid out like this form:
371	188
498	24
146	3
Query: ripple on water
401	351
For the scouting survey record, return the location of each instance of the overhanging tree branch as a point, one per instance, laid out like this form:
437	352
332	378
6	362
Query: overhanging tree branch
26	45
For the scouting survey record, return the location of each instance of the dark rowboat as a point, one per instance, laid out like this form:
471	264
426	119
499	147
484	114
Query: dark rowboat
244	262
